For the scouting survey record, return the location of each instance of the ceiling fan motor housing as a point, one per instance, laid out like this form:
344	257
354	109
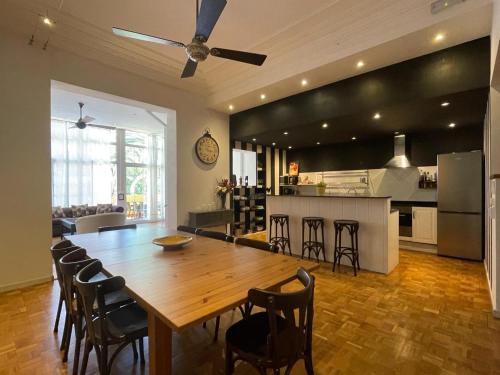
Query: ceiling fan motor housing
197	51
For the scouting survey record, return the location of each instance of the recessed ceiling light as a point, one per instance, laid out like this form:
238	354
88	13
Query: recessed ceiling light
452	125
285	133
318	143
48	21
289	147
274	143
324	126
304	82
254	139
231	107
262	96
439	37
353	138
360	64
445	104
376	116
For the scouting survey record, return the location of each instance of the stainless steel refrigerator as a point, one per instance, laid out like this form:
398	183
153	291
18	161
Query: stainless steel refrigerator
460	205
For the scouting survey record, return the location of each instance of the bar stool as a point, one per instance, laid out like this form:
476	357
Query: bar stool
313	244
351	252
282	240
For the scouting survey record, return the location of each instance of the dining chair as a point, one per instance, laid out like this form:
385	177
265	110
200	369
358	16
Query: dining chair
58	251
70	265
261	245
116	227
105	327
276	337
185	228
216	235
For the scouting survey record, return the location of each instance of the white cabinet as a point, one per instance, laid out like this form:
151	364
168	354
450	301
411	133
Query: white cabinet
424	224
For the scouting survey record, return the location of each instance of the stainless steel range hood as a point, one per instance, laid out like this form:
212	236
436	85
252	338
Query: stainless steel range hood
399	160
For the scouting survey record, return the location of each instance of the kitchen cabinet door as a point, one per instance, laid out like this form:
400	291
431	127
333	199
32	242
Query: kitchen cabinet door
424	224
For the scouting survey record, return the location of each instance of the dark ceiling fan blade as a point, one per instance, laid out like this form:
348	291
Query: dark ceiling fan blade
246	57
210	12
189	69
146	38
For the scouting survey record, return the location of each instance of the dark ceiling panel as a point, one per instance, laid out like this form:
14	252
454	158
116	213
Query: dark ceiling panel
408	96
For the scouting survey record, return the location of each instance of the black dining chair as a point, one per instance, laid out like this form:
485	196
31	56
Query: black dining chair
277	337
116	227
58	251
105	327
256	244
216	235
185	228
70	265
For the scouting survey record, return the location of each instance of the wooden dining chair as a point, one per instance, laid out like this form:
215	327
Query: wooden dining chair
105	327
185	228
116	227
261	245
58	251
216	235
275	338
70	265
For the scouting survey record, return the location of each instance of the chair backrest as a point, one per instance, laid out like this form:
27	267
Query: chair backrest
71	264
185	228
90	223
62	244
261	245
92	291
216	235
57	253
116	227
296	338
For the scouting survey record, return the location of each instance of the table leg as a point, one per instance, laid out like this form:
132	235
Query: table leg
160	346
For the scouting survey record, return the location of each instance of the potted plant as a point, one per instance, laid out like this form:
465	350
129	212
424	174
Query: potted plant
224	187
321	187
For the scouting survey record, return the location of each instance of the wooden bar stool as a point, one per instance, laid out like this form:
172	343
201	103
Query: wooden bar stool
281	239
313	243
351	252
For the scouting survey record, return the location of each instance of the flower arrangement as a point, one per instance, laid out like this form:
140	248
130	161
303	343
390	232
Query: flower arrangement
224	186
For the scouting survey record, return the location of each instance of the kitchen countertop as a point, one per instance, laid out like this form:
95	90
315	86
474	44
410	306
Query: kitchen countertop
331	196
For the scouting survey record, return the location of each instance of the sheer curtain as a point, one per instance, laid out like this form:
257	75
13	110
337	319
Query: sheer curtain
83	164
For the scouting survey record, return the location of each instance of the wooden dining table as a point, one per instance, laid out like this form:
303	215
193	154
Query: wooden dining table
184	287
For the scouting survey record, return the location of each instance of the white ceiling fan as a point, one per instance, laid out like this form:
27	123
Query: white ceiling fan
82	121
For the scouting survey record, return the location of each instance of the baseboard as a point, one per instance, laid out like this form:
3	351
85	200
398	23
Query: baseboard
495	313
25	284
417	246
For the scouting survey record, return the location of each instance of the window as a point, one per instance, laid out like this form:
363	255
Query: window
245	165
93	165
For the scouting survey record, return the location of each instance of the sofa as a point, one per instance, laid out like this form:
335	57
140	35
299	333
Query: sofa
59	213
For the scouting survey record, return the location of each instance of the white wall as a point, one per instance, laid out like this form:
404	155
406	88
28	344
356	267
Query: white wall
25	75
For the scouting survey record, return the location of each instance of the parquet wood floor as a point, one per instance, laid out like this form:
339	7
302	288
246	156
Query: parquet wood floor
431	315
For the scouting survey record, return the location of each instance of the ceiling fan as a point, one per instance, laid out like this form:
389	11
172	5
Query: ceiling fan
82	122
197	51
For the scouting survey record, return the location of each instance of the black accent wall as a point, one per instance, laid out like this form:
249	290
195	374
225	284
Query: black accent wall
422	150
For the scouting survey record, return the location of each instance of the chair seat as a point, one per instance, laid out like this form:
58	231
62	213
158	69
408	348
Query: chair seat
128	321
250	335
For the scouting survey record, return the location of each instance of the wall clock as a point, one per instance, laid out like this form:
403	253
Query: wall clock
207	148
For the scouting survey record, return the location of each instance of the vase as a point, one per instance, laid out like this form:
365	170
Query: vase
222	201
320	190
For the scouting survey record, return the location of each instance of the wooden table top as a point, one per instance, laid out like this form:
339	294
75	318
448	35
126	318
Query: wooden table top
187	286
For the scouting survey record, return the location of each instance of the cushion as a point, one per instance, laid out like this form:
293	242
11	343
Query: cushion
91	210
68	212
104	208
79	211
57	212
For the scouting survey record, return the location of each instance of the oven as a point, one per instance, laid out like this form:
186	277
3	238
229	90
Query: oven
405	220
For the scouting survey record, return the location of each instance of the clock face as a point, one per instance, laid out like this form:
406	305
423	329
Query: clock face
207	149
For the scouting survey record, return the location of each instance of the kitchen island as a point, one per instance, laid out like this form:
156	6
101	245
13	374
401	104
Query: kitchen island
378	225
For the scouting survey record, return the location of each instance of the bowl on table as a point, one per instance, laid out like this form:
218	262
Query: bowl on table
174	241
